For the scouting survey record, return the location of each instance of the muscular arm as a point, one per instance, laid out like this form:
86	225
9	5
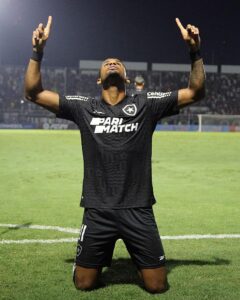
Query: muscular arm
196	86
33	88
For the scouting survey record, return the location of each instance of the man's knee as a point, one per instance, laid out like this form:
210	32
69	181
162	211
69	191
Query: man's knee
155	280
156	287
84	284
85	279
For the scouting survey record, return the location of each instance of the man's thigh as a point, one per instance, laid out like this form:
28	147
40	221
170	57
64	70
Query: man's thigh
142	239
97	239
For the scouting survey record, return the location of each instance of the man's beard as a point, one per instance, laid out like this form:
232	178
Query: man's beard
114	79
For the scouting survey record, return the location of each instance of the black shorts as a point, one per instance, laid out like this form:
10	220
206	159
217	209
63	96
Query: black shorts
101	229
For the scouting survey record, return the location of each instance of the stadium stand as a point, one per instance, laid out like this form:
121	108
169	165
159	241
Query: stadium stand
222	96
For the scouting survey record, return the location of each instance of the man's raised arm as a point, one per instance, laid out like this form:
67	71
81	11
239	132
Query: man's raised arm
196	86
34	90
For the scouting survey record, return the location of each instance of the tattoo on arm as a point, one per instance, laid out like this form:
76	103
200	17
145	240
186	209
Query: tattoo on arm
197	78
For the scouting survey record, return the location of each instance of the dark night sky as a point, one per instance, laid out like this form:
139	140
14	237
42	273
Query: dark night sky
133	30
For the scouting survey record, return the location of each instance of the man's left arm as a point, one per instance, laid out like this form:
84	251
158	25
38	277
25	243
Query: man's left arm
196	87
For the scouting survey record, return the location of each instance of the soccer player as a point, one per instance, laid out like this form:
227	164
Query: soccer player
116	134
139	84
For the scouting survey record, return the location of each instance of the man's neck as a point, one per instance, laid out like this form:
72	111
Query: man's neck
112	95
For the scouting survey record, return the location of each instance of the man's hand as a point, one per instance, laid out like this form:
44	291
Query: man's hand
40	36
190	35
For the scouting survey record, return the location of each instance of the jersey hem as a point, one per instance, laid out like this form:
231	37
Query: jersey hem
119	207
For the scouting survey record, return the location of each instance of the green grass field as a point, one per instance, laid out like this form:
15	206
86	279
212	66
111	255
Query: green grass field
196	180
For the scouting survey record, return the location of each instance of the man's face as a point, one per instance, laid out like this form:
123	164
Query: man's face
112	66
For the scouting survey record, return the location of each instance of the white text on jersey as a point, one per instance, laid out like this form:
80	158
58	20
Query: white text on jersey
158	95
77	97
112	125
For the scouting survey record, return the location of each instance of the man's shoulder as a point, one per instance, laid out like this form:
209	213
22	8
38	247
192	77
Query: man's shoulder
138	97
81	100
148	95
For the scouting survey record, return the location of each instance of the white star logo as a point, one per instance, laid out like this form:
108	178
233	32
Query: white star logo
130	109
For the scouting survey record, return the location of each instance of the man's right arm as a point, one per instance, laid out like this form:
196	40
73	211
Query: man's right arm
33	88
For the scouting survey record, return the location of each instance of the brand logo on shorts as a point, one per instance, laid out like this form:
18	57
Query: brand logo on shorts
161	257
79	250
130	109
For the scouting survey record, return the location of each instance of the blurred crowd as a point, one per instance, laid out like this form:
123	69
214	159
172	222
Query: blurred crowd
222	92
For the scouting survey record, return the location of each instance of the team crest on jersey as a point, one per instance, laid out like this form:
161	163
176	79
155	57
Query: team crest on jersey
130	109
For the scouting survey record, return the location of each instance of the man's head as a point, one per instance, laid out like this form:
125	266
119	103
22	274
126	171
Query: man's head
112	73
139	83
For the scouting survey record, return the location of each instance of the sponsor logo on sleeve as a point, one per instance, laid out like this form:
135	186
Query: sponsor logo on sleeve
157	95
98	112
77	97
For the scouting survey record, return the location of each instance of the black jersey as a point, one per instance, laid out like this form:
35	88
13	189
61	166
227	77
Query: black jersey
117	146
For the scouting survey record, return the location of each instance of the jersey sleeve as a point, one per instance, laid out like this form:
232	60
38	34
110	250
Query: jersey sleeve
163	104
69	108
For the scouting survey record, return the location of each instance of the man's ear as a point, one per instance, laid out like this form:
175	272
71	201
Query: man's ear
127	80
99	81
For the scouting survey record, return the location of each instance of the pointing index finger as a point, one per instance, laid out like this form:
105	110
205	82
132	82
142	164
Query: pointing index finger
179	24
49	23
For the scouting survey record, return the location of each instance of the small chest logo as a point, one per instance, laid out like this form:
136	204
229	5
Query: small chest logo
130	109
